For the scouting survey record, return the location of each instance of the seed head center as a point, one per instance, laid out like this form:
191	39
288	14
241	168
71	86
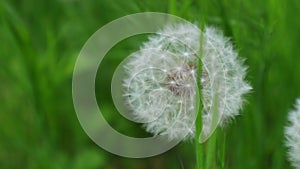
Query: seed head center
181	80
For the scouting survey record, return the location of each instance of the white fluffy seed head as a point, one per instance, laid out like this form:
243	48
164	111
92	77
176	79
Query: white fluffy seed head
161	83
292	133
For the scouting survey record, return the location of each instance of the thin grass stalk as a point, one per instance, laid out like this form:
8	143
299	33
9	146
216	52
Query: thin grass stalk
199	146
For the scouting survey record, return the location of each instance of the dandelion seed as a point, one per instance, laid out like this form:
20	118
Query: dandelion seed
168	62
292	133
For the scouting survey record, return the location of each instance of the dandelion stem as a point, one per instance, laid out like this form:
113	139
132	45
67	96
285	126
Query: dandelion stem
223	150
212	142
211	151
199	146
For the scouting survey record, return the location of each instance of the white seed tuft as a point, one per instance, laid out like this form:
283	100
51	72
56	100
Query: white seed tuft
292	133
161	83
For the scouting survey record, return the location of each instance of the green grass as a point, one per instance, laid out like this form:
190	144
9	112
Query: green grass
40	41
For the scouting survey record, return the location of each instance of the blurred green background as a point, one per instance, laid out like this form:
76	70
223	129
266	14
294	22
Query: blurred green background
40	41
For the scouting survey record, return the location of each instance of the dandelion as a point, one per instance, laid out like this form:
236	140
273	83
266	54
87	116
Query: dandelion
292	132
161	82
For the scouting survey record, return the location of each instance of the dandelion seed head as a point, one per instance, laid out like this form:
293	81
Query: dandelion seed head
292	133
162	80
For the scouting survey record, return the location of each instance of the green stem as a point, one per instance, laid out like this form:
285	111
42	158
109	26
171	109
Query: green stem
222	149
173	7
212	142
199	146
211	151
